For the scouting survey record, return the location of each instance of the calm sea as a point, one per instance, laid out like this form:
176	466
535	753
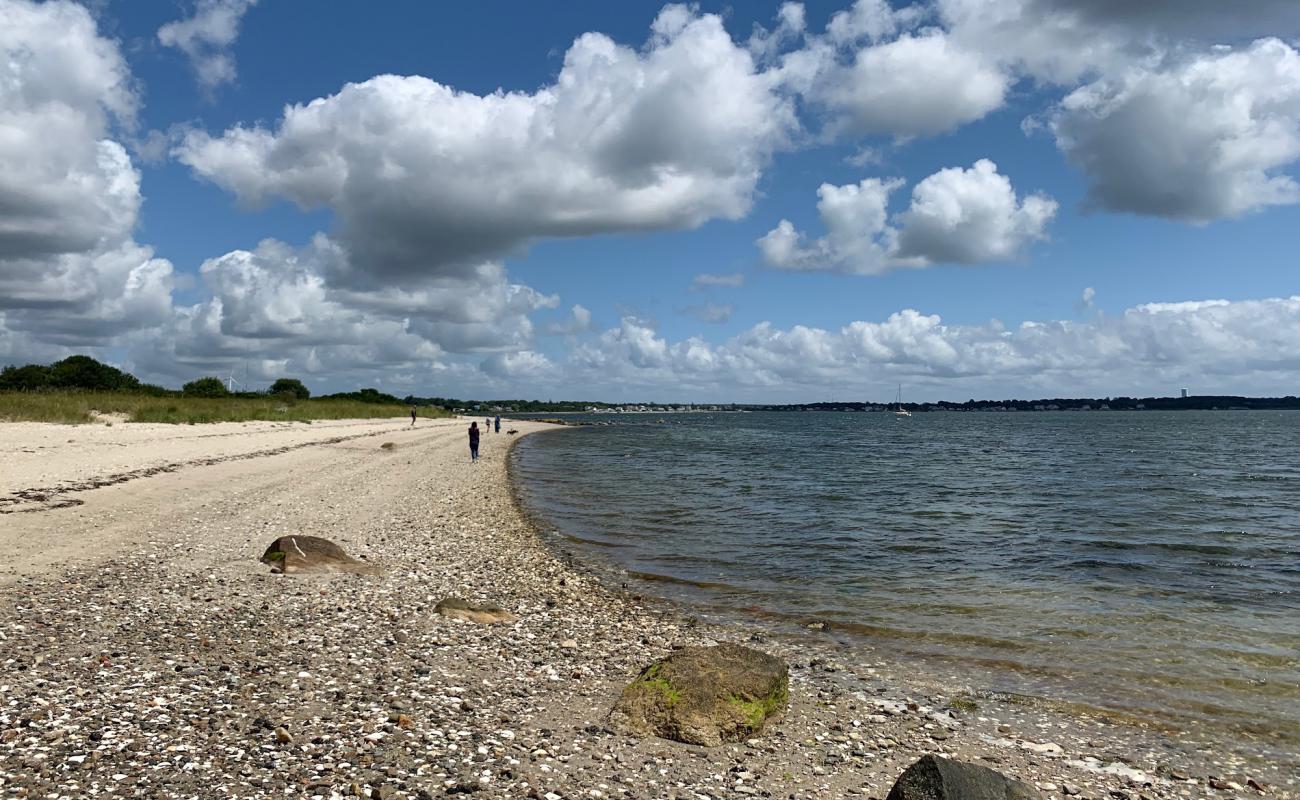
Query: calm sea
1142	562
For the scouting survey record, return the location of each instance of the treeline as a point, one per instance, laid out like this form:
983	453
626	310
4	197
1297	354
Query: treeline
518	406
85	374
1195	402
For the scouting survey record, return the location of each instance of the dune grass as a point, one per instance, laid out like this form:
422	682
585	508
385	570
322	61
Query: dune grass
84	407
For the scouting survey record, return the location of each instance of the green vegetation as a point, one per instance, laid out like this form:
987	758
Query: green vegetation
756	711
290	386
205	387
964	703
73	372
652	681
80	407
80	389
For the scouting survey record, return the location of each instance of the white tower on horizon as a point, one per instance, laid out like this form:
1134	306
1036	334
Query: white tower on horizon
1184	391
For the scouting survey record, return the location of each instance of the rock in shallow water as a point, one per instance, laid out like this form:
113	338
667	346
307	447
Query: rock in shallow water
938	778
705	695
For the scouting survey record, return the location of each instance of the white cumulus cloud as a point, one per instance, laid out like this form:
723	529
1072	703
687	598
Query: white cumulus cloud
1221	346
913	85
970	216
207	37
425	178
1210	137
70	272
956	216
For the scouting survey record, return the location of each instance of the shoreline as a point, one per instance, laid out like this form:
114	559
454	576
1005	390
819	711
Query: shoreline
169	663
1147	731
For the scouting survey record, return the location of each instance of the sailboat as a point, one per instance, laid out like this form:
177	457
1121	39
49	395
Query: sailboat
899	411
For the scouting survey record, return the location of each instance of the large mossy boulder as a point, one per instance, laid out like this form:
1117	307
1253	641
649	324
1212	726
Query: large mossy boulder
705	695
296	554
481	613
937	778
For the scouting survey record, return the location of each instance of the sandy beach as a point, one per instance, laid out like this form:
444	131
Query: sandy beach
148	653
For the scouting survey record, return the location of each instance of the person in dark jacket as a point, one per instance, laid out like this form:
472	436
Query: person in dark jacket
498	423
473	441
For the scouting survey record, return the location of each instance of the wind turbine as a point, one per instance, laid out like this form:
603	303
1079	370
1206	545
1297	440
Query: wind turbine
231	383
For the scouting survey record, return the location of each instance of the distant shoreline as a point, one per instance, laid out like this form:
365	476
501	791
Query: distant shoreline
970	406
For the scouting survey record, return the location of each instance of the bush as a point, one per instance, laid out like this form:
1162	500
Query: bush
30	378
84	372
291	386
73	372
205	387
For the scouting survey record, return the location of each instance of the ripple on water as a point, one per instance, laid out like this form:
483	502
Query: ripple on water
1144	563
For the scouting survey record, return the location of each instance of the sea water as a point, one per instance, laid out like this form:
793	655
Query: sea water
1146	563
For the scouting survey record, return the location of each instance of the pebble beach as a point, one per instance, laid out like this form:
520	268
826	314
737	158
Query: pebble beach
147	652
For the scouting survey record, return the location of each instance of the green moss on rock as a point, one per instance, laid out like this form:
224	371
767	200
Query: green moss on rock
705	695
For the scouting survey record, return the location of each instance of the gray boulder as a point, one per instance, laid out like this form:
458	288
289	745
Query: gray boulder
705	695
484	614
297	554
937	778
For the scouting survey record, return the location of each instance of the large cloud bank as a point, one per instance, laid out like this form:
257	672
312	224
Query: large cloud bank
425	178
1215	345
71	273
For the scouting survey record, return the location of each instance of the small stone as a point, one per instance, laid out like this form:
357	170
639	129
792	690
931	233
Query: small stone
569	644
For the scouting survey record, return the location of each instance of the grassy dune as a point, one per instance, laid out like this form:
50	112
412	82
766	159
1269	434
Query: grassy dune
82	407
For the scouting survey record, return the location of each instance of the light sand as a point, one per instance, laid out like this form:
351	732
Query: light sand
138	477
147	653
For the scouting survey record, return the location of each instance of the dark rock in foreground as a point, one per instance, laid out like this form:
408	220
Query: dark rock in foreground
705	695
937	778
298	554
456	608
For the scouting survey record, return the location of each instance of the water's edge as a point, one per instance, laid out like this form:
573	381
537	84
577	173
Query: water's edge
911	673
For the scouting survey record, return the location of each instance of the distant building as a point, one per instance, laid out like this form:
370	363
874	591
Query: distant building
1184	392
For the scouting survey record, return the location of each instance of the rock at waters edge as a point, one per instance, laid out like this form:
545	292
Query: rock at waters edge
705	695
295	554
486	614
937	778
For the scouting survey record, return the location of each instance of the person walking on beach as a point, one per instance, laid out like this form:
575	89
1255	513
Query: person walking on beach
487	423
412	416
473	442
498	423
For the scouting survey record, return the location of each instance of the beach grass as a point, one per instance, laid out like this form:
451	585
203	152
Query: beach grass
84	407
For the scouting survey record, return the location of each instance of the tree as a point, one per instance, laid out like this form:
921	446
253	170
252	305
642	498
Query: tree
24	379
291	386
205	387
84	372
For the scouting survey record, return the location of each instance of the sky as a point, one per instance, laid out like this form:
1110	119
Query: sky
758	202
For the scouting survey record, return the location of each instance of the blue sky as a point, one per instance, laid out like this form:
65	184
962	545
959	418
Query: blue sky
1086	198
